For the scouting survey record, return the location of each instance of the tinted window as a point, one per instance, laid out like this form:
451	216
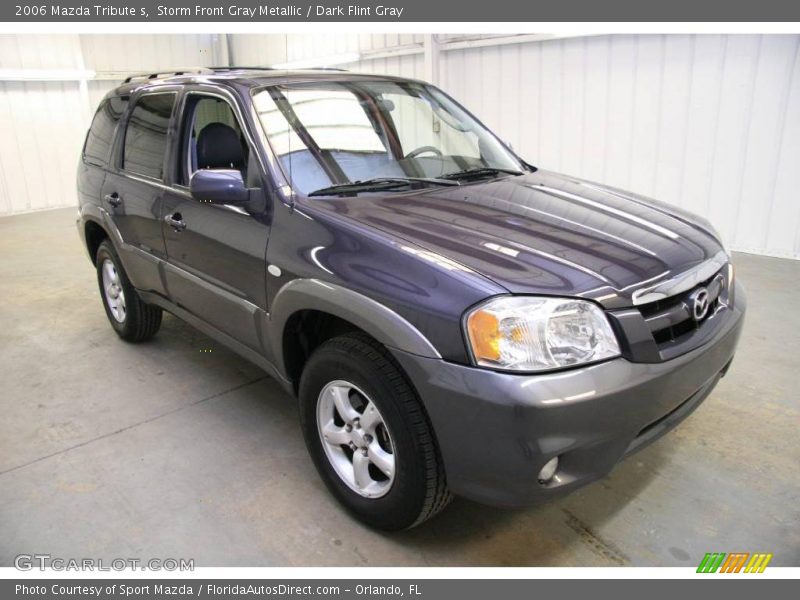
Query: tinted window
101	133
146	135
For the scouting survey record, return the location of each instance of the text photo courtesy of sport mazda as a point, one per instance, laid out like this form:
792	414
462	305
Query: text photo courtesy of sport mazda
451	319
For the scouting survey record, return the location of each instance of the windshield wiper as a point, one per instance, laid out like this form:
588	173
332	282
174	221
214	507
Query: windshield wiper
477	172
377	184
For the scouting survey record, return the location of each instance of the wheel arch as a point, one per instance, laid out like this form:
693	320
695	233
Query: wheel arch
306	312
94	234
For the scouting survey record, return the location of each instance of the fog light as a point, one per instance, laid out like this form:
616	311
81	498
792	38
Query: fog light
548	470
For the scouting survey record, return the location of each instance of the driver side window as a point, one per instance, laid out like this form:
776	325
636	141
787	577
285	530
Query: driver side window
213	139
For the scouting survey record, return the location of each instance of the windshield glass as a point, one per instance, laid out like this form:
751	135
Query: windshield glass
330	133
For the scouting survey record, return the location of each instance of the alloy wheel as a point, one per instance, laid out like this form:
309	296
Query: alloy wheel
356	440
114	294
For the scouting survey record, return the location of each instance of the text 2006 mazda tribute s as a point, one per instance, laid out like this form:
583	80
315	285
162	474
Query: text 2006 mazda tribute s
451	319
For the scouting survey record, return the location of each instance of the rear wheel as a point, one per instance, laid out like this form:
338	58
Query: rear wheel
369	436
131	318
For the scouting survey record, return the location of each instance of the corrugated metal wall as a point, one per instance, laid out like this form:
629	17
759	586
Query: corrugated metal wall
41	123
708	122
251	50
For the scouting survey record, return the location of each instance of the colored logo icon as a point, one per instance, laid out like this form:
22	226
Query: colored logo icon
736	562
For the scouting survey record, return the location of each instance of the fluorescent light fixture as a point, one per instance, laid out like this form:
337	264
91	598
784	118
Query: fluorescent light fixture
322	61
46	74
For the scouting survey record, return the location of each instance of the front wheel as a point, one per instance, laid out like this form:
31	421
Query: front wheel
131	318
369	436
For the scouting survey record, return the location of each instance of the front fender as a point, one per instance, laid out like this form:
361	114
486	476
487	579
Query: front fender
382	323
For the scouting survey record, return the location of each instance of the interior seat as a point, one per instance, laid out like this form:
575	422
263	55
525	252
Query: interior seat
219	147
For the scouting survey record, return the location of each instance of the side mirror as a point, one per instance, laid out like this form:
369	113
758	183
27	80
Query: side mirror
219	186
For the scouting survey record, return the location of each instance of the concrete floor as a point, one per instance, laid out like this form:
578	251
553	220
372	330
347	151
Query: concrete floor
167	450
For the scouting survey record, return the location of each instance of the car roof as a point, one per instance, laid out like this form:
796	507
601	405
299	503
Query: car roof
242	76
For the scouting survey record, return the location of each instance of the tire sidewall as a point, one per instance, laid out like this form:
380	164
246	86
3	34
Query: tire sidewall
400	507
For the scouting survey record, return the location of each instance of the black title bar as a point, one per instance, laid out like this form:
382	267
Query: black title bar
402	11
366	589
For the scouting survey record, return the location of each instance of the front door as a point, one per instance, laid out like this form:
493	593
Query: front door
216	253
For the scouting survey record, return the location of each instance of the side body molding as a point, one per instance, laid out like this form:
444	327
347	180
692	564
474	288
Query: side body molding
382	323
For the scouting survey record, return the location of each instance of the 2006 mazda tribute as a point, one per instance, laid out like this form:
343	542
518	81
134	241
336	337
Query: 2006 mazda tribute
451	319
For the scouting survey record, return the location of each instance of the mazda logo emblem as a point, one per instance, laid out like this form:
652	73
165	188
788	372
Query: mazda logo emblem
699	300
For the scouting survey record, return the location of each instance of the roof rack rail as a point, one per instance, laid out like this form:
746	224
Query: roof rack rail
164	74
212	70
238	68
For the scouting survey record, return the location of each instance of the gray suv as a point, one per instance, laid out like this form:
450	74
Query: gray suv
451	319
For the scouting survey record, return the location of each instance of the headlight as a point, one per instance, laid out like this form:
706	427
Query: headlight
535	334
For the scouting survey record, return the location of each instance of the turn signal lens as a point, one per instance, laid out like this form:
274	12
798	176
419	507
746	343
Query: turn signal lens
525	333
484	332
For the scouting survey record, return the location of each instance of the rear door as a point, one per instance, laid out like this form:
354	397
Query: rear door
216	253
133	191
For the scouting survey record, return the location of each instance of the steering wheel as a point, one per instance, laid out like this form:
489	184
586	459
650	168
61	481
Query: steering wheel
422	150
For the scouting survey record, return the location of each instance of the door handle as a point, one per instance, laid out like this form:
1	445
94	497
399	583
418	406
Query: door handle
175	221
113	199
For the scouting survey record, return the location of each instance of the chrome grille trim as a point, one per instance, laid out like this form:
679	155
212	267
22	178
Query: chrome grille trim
681	311
680	283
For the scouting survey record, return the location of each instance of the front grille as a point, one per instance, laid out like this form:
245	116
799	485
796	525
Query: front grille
670	320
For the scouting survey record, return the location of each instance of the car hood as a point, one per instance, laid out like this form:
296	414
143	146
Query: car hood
544	233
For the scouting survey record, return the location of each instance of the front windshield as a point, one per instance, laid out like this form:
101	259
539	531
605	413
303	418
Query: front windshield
332	133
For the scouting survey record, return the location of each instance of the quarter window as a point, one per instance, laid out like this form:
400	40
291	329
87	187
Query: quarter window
145	147
101	133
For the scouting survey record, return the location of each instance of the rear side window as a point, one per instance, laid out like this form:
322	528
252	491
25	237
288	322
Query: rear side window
101	133
146	135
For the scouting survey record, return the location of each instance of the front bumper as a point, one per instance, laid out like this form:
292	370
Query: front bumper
497	430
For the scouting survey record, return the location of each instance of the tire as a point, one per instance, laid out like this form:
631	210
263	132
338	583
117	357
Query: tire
416	489
132	319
